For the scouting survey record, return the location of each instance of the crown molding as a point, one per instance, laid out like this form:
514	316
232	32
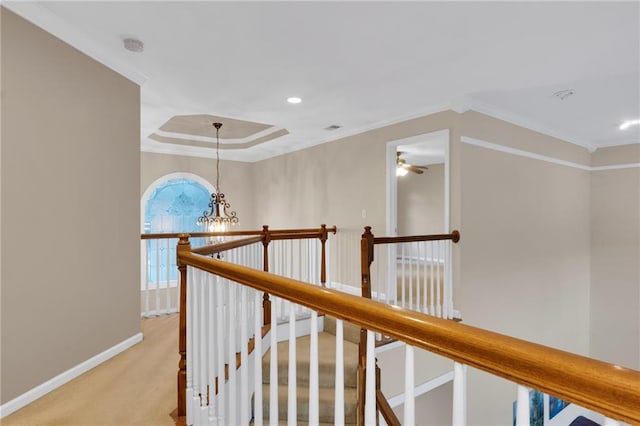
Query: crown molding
50	22
237	141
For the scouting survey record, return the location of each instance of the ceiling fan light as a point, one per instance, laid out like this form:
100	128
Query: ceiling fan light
401	171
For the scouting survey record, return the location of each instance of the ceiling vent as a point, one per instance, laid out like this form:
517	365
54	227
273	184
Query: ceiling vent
332	127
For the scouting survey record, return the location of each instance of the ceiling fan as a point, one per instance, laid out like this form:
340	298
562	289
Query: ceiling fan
402	168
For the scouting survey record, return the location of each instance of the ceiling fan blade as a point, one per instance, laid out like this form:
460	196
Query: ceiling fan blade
414	169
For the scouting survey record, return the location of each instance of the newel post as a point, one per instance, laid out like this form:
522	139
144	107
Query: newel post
184	246
323	258
366	257
266	303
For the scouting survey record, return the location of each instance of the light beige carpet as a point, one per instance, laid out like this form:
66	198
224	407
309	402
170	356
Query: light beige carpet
136	387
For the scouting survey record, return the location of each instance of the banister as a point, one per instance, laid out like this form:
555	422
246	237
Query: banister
606	388
227	245
454	236
273	232
159	236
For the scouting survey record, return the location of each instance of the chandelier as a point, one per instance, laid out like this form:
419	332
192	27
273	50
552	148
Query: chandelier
220	216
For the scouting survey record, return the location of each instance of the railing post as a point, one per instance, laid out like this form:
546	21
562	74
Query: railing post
323	260
366	257
184	246
266	302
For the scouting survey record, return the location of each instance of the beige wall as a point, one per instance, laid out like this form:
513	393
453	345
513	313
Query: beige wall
421	202
615	257
525	254
236	180
332	183
70	207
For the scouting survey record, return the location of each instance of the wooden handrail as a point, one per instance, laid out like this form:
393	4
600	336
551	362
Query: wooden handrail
198	234
454	236
606	388
227	245
273	232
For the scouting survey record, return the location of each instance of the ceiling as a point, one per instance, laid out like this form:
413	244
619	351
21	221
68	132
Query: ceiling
361	65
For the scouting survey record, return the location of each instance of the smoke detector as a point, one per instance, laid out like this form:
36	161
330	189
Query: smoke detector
564	94
133	45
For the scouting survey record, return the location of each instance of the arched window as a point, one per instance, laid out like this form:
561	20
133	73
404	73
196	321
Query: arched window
171	204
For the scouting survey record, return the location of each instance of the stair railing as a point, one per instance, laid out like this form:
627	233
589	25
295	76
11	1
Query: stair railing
606	388
160	292
412	272
253	249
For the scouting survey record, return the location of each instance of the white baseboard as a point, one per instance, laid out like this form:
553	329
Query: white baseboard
46	387
423	388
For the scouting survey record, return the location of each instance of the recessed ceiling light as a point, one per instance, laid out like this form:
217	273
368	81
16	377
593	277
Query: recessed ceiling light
629	123
133	45
294	100
564	94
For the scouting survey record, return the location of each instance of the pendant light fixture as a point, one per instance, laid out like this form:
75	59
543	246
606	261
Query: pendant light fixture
220	216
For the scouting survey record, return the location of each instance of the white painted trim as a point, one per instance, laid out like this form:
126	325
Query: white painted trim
42	17
423	388
510	117
615	167
521	153
54	383
227	141
527	154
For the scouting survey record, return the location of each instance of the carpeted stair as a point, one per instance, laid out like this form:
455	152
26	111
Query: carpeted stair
326	376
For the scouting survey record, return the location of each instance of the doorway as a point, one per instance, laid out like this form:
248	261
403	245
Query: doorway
419	203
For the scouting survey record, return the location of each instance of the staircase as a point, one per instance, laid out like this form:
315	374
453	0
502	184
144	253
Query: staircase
326	361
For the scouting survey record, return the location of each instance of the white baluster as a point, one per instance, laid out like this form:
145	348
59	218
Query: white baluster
418	245
201	319
273	366
448	296
244	358
220	339
403	273
314	393
257	358
156	310
410	276
339	389
370	408
522	406
211	348
459	417
168	282
195	345
409	387
432	297
292	413
144	274
231	383
189	372
610	422
425	277
438	298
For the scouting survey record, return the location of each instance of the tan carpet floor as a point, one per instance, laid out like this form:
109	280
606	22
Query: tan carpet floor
136	387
